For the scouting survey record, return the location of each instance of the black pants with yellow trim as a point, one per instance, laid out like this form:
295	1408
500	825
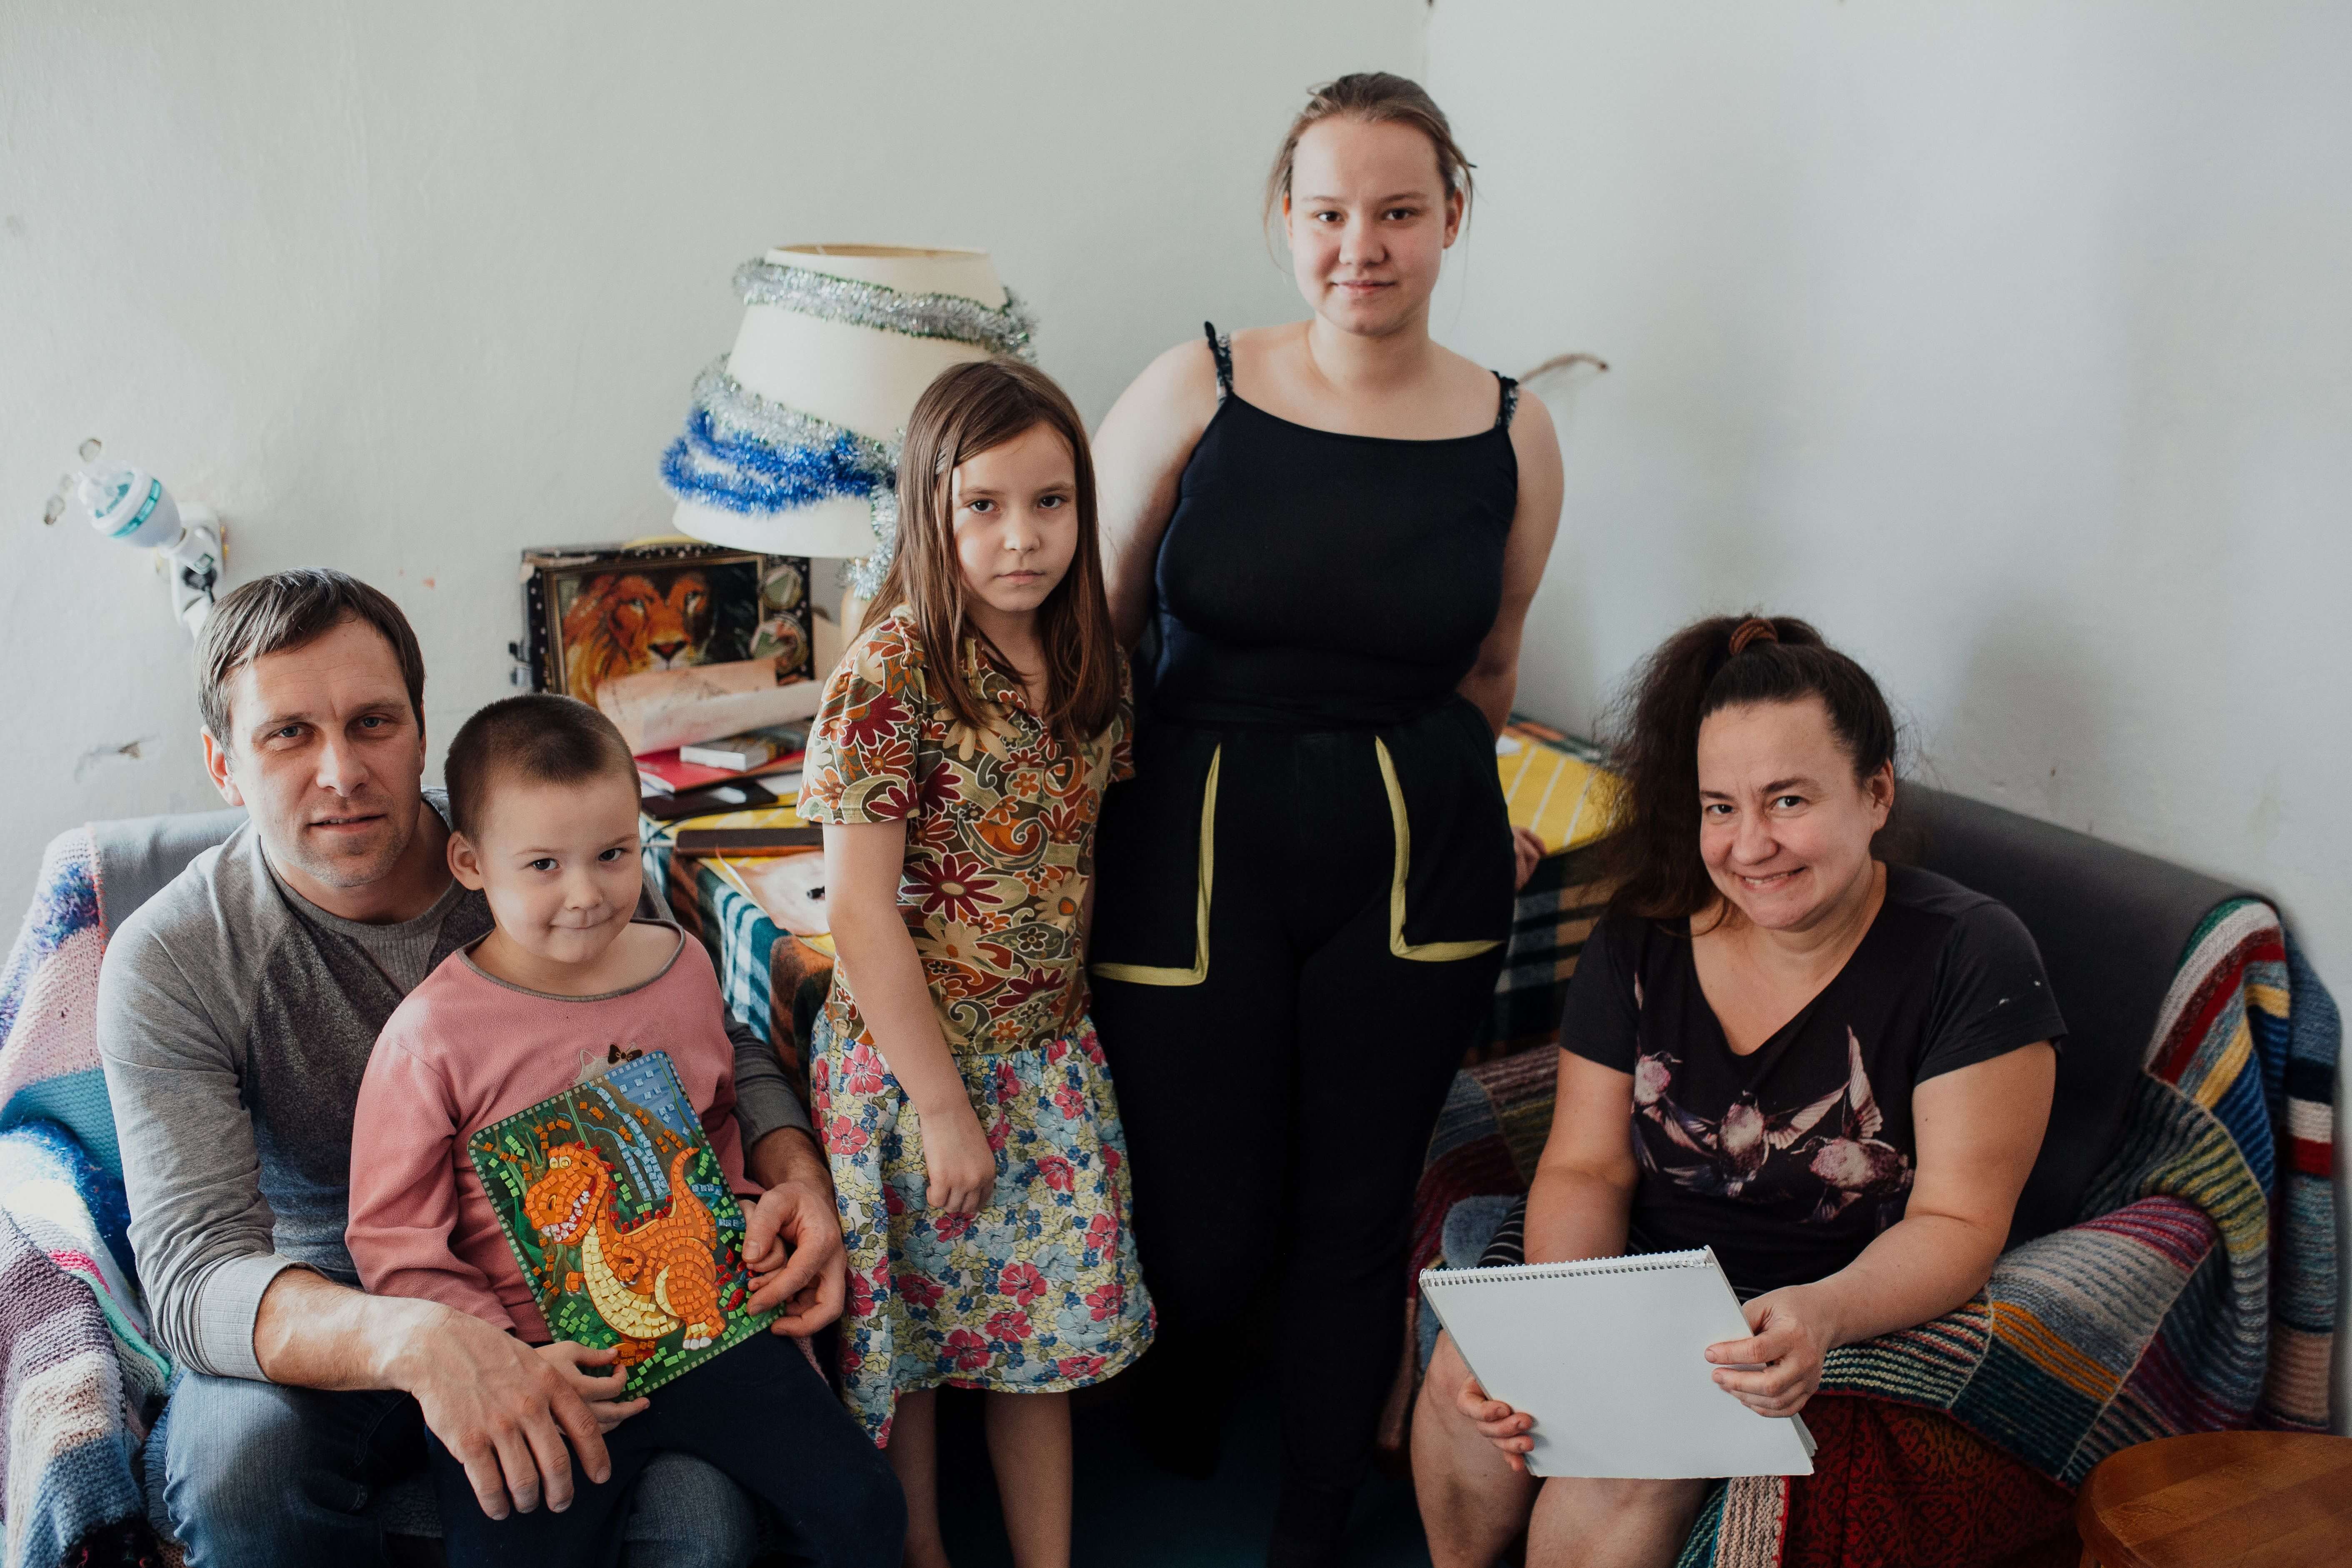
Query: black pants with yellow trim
1282	1054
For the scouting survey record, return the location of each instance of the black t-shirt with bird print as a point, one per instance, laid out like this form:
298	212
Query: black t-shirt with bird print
1790	1160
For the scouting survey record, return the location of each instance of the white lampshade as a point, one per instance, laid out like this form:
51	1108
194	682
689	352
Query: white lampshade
863	378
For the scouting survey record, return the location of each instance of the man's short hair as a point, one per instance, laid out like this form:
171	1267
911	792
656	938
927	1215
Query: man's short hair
543	738
287	609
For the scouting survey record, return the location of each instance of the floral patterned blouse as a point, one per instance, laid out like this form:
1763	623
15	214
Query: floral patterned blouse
1000	832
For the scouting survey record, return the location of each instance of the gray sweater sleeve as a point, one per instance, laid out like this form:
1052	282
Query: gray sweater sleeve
199	1224
764	1100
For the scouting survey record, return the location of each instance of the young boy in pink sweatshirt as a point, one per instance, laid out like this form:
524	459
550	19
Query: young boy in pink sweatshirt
543	809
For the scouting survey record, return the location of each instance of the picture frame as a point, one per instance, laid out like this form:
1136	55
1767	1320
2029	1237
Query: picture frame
595	611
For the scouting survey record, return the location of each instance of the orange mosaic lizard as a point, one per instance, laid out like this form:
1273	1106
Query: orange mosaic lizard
647	1277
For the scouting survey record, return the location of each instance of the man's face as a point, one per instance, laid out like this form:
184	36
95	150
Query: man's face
326	754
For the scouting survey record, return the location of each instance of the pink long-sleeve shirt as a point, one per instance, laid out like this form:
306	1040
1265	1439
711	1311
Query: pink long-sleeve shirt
465	1051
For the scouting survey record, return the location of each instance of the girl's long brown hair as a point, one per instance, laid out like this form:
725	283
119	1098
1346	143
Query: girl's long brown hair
970	409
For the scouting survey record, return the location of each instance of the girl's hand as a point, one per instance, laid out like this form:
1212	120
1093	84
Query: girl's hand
1497	1423
1789	1338
1530	851
959	1166
601	1395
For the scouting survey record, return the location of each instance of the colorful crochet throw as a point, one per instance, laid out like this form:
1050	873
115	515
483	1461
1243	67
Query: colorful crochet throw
622	1222
79	1378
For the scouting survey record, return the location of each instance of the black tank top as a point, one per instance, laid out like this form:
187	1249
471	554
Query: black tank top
1313	579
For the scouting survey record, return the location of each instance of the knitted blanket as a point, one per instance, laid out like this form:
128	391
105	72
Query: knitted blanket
2197	1291
79	1376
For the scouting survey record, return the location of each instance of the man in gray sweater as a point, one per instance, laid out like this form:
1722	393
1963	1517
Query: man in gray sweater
236	1010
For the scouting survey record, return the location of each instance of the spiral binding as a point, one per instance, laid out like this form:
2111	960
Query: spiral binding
1638	1263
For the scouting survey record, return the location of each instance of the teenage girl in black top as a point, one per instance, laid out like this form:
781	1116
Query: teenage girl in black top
1303	896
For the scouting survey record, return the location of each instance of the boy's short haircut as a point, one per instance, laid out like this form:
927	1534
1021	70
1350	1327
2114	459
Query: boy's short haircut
543	738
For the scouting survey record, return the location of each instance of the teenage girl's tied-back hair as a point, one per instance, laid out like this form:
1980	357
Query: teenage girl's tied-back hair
1651	853
970	409
1374	98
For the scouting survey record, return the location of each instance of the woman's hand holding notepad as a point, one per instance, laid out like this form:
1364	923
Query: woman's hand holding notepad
1776	1369
1603	1367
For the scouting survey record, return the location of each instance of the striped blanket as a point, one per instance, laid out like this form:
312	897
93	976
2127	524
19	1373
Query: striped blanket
2197	1292
79	1376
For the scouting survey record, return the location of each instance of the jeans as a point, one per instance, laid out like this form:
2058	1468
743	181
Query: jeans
762	1414
253	1475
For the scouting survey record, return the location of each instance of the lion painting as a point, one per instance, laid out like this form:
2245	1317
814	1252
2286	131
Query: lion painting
596	614
622	624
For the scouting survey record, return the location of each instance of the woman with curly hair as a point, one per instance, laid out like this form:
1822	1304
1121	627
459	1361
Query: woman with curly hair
1834	1071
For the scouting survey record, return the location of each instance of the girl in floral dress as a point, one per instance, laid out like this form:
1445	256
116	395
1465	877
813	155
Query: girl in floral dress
957	766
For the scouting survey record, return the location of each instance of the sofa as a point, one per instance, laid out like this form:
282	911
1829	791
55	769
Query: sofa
2160	971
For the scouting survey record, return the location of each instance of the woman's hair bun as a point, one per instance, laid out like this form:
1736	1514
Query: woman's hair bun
1652	854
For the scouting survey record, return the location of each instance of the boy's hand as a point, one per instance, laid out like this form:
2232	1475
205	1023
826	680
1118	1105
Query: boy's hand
601	1396
959	1166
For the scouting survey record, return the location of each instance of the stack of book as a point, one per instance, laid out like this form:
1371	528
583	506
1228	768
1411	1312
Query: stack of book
761	767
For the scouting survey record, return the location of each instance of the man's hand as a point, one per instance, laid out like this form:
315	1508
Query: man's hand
602	1396
792	1238
792	1245
500	1408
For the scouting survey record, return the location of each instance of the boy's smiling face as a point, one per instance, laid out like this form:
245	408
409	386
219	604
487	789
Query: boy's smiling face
558	863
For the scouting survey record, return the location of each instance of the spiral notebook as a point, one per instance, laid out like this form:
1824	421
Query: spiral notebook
1609	1356
622	1219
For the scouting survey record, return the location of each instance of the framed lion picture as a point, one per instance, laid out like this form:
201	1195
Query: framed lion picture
595	611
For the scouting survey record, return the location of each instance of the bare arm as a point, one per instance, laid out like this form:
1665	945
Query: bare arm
1140	455
1978	1129
1582	1195
1578	1205
863	862
1493	681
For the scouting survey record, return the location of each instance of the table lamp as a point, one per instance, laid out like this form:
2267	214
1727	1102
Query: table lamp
792	443
126	502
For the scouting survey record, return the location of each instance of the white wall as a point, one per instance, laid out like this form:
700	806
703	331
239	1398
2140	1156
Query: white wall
403	289
2011	343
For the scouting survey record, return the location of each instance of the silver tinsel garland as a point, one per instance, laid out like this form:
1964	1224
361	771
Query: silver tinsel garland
949	316
752	455
741	448
738	412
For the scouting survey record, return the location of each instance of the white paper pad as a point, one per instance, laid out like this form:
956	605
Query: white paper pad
1609	1356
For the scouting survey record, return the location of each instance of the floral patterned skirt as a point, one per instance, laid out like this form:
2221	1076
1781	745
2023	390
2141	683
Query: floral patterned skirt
1039	1292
